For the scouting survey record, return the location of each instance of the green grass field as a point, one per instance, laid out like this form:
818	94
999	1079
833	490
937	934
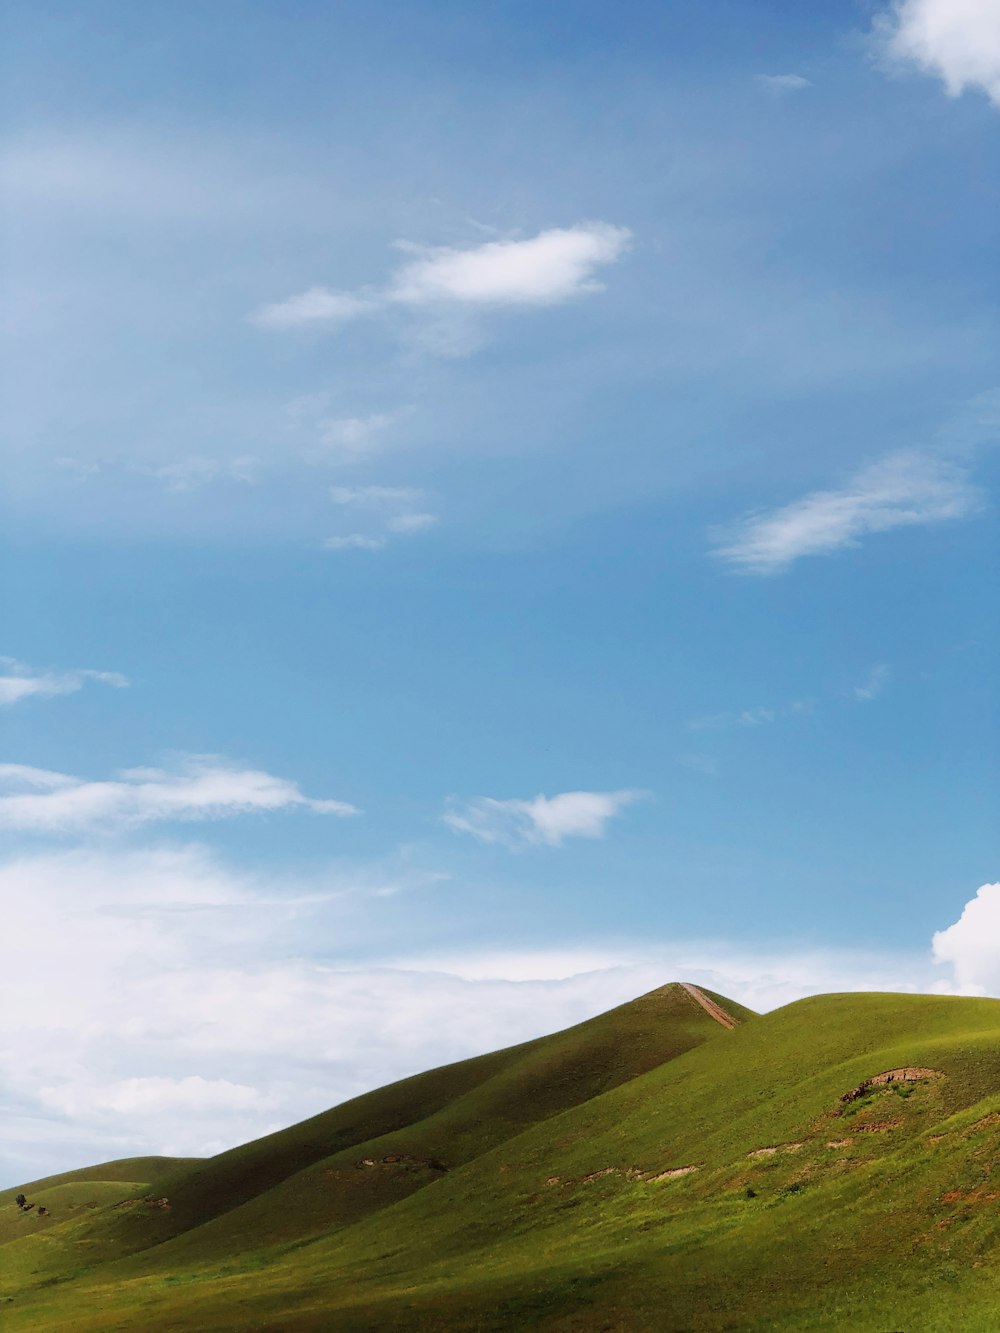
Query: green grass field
647	1170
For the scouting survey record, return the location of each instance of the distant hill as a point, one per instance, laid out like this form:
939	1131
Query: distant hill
676	1164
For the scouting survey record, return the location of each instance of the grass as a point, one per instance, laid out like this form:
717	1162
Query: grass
877	1214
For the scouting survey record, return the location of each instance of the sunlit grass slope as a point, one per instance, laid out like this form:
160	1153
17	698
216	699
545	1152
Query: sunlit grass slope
731	1187
66	1194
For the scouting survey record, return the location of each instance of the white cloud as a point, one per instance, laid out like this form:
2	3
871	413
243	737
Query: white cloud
140	1096
199	787
972	944
873	685
318	305
542	820
899	491
956	40
548	269
783	83
19	682
353	541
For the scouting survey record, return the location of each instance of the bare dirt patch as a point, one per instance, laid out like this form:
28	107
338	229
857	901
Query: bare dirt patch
710	1007
673	1173
905	1074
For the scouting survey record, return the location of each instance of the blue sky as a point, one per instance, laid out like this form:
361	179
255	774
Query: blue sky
500	513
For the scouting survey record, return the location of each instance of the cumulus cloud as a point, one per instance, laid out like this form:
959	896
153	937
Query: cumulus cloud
972	944
19	682
902	490
544	270
198	787
956	40
550	268
545	820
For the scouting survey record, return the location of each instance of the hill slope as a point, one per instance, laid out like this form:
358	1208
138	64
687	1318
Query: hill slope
277	1189
833	1164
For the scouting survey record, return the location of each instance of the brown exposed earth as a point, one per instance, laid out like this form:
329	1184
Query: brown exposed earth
905	1074
710	1007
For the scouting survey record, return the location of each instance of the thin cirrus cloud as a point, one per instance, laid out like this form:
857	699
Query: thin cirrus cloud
783	83
544	270
395	508
199	787
544	820
956	40
751	717
903	490
873	684
19	682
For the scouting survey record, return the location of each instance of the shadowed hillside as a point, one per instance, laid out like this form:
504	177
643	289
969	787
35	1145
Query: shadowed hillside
829	1165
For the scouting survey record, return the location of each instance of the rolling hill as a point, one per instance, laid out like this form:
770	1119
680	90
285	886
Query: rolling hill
676	1164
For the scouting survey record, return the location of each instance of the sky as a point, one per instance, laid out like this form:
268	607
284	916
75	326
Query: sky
499	514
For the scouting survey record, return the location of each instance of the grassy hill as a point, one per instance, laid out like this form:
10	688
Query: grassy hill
649	1169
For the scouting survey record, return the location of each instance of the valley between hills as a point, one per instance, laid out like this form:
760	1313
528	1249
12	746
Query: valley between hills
677	1164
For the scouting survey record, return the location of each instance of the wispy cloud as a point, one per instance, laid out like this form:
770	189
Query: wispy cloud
186	474
353	541
315	306
956	40
198	787
750	717
407	524
783	83
548	269
902	490
396	508
19	682
543	820
873	684
375	497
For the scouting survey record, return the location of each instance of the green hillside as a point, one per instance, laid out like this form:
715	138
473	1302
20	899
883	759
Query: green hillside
832	1165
